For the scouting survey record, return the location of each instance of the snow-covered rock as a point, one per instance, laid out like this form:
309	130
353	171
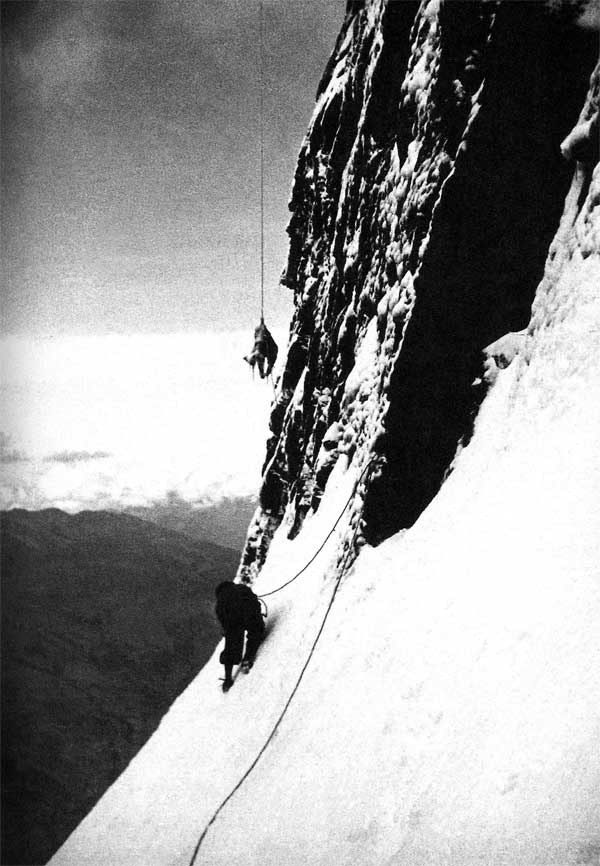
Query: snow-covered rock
450	711
427	192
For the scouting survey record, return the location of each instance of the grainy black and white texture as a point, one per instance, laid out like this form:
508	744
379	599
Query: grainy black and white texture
428	188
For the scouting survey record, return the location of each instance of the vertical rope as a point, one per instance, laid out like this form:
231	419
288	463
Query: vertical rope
262	163
342	570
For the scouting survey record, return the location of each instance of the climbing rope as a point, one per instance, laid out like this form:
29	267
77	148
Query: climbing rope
262	161
267	742
326	539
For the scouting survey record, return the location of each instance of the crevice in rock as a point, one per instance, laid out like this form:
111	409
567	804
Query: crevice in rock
485	254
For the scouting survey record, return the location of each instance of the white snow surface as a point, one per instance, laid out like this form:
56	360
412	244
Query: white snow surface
451	712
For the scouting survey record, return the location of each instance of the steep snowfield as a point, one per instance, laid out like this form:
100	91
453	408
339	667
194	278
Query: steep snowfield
451	712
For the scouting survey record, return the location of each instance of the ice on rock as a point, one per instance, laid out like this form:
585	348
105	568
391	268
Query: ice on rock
431	10
504	350
405	300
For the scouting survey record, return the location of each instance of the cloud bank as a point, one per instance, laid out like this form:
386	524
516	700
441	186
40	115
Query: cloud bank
122	421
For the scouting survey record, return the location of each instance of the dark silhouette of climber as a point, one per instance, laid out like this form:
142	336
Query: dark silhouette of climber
238	611
264	351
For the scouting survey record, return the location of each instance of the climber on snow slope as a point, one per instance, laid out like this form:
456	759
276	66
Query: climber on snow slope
239	612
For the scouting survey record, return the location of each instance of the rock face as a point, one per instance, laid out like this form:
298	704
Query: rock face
105	619
427	191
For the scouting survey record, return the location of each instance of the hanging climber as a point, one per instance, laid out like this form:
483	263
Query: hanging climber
264	352
238	610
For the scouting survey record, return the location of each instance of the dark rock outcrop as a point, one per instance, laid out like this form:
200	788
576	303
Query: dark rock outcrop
427	191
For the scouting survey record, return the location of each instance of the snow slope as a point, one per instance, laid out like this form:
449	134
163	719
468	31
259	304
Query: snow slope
451	713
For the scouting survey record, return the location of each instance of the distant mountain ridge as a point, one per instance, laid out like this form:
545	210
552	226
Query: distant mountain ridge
224	523
105	619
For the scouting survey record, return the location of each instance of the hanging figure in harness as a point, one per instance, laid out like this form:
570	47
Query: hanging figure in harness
239	612
264	351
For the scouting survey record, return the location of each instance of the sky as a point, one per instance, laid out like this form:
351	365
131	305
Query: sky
130	159
130	231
